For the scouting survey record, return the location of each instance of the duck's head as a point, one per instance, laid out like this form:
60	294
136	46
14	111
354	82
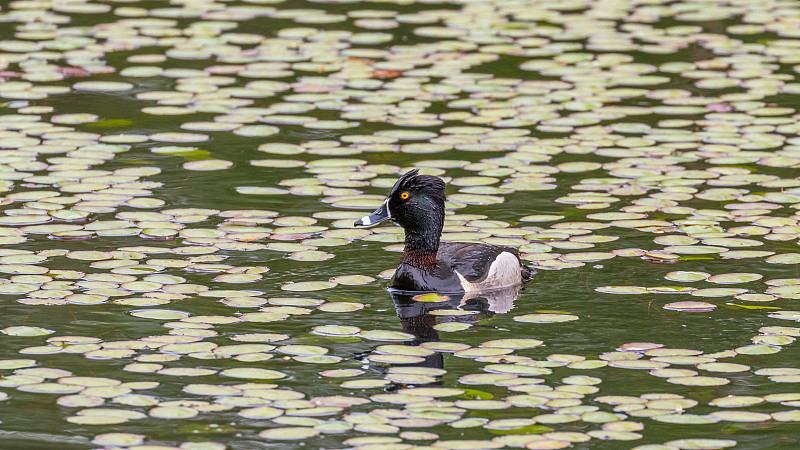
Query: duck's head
416	203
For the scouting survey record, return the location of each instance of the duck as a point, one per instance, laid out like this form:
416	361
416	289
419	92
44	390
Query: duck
416	203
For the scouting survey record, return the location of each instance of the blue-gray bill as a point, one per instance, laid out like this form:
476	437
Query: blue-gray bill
380	214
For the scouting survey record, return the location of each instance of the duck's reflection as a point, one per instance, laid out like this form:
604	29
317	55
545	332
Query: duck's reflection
419	318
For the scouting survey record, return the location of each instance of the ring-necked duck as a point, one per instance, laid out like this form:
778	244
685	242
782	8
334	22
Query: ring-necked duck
416	203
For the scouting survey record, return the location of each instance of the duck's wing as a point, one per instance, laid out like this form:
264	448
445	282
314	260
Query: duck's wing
472	260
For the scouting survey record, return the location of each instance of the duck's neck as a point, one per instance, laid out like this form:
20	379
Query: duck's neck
421	247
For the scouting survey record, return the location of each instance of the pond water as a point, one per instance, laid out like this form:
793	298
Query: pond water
180	270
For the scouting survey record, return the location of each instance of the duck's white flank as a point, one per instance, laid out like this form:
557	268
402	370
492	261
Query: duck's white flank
504	271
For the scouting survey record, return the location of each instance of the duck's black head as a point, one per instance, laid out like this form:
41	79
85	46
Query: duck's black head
416	203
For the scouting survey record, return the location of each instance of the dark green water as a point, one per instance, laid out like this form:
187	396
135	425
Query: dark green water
565	71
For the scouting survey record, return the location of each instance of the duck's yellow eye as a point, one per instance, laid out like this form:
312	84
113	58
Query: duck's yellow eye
404	195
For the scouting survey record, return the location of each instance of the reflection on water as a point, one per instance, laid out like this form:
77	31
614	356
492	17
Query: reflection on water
416	318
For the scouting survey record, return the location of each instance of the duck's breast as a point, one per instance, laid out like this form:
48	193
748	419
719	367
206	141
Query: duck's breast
437	278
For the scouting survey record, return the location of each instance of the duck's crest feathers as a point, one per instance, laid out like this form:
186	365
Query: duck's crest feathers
403	180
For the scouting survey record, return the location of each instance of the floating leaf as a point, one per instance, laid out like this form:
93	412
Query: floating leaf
545	318
690	306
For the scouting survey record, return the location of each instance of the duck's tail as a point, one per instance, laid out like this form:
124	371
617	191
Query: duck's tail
527	273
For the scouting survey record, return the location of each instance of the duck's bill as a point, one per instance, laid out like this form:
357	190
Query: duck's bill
378	216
